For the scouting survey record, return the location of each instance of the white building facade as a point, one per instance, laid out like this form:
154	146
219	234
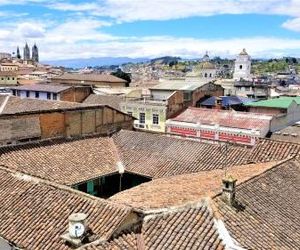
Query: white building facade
242	67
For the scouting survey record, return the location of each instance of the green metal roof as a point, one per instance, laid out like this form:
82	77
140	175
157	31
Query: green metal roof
282	102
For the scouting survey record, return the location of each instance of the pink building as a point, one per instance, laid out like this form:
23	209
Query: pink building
220	125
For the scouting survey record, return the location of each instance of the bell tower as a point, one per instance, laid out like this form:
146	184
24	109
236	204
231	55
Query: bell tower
242	67
35	54
26	55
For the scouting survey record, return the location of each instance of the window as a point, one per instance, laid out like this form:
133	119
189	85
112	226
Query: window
129	113
27	93
37	94
155	119
241	66
8	78
142	118
14	92
205	75
187	96
48	95
13	78
54	96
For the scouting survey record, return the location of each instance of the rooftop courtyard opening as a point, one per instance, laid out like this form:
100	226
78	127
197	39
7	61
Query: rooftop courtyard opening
106	186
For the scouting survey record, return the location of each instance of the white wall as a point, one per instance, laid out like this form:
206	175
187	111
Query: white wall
42	95
245	72
161	94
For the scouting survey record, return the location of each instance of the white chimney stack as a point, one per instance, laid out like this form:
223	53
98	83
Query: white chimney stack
77	229
77	225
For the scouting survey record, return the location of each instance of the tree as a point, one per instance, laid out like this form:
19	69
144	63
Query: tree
123	75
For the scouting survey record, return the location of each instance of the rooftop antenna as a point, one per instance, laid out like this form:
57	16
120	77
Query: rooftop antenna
224	149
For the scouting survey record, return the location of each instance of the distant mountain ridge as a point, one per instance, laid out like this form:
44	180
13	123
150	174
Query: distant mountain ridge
94	61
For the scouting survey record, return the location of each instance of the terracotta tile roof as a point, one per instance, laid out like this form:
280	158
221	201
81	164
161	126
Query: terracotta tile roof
124	241
159	156
43	88
16	105
290	134
224	118
34	214
29	81
90	78
267	215
24	71
268	150
62	161
8	73
110	100
185	188
188	228
270	205
154	156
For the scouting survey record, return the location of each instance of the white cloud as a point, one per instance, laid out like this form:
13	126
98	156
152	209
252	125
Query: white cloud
292	24
133	10
136	10
73	7
31	30
82	36
259	47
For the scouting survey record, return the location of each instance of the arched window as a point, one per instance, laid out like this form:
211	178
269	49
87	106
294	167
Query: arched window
205	75
210	75
241	66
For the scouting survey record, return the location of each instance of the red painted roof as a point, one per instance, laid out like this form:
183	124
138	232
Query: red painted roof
225	118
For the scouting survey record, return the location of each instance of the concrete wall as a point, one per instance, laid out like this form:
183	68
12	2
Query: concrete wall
269	111
75	123
52	124
284	120
19	128
78	94
161	94
208	89
175	104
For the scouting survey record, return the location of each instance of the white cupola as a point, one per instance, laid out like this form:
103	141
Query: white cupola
242	67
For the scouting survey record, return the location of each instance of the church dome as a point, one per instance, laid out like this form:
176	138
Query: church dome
205	65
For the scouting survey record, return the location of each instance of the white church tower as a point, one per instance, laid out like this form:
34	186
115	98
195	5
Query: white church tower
242	67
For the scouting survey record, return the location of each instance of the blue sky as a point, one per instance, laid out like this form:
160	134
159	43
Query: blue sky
138	28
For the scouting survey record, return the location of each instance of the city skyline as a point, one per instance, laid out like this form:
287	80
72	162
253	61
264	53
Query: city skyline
77	29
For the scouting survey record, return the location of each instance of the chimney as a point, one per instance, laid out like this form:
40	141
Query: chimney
77	231
228	190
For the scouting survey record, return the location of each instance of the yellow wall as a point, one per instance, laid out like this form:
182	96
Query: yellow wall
8	80
136	108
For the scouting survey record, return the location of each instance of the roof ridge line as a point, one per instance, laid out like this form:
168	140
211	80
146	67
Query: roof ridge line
277	164
3	105
153	213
